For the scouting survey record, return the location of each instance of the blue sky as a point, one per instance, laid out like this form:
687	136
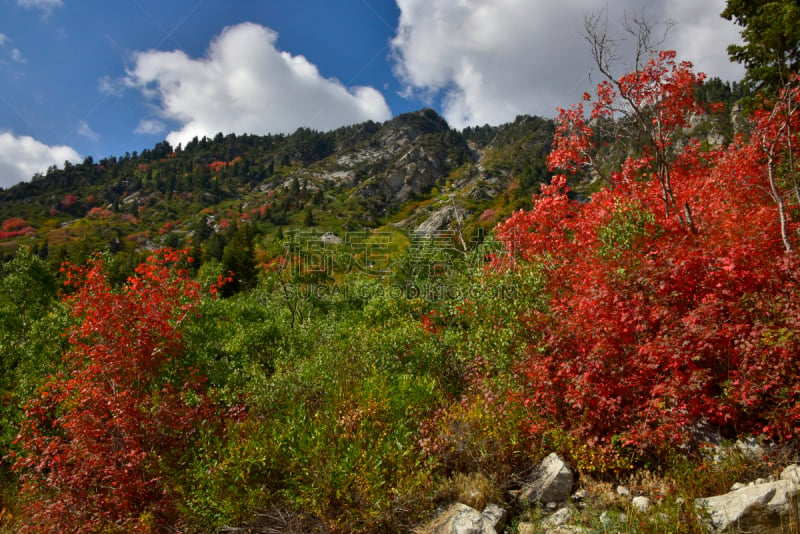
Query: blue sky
81	78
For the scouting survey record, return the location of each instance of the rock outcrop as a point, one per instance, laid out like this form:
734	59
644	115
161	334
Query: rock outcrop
407	157
761	508
462	519
440	220
552	482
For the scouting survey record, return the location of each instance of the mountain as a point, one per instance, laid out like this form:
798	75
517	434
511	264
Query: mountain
413	173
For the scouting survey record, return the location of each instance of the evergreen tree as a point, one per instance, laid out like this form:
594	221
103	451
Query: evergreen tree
215	246
771	34
239	258
308	218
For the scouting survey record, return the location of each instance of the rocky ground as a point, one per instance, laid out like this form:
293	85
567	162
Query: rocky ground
552	501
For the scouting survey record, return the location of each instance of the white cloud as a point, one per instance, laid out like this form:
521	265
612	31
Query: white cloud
45	5
150	127
490	60
110	86
86	131
22	157
245	84
17	56
702	36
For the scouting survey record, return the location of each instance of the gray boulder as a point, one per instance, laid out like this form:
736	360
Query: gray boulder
641	503
559	518
792	474
462	519
495	516
438	221
552	482
759	508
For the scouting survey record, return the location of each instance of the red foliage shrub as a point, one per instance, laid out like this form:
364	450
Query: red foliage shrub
27	231
14	224
662	317
15	227
69	201
215	166
99	213
168	227
101	437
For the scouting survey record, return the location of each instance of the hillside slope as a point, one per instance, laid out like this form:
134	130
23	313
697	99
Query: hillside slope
413	172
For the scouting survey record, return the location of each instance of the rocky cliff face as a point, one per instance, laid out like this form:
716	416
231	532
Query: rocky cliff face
439	177
407	157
